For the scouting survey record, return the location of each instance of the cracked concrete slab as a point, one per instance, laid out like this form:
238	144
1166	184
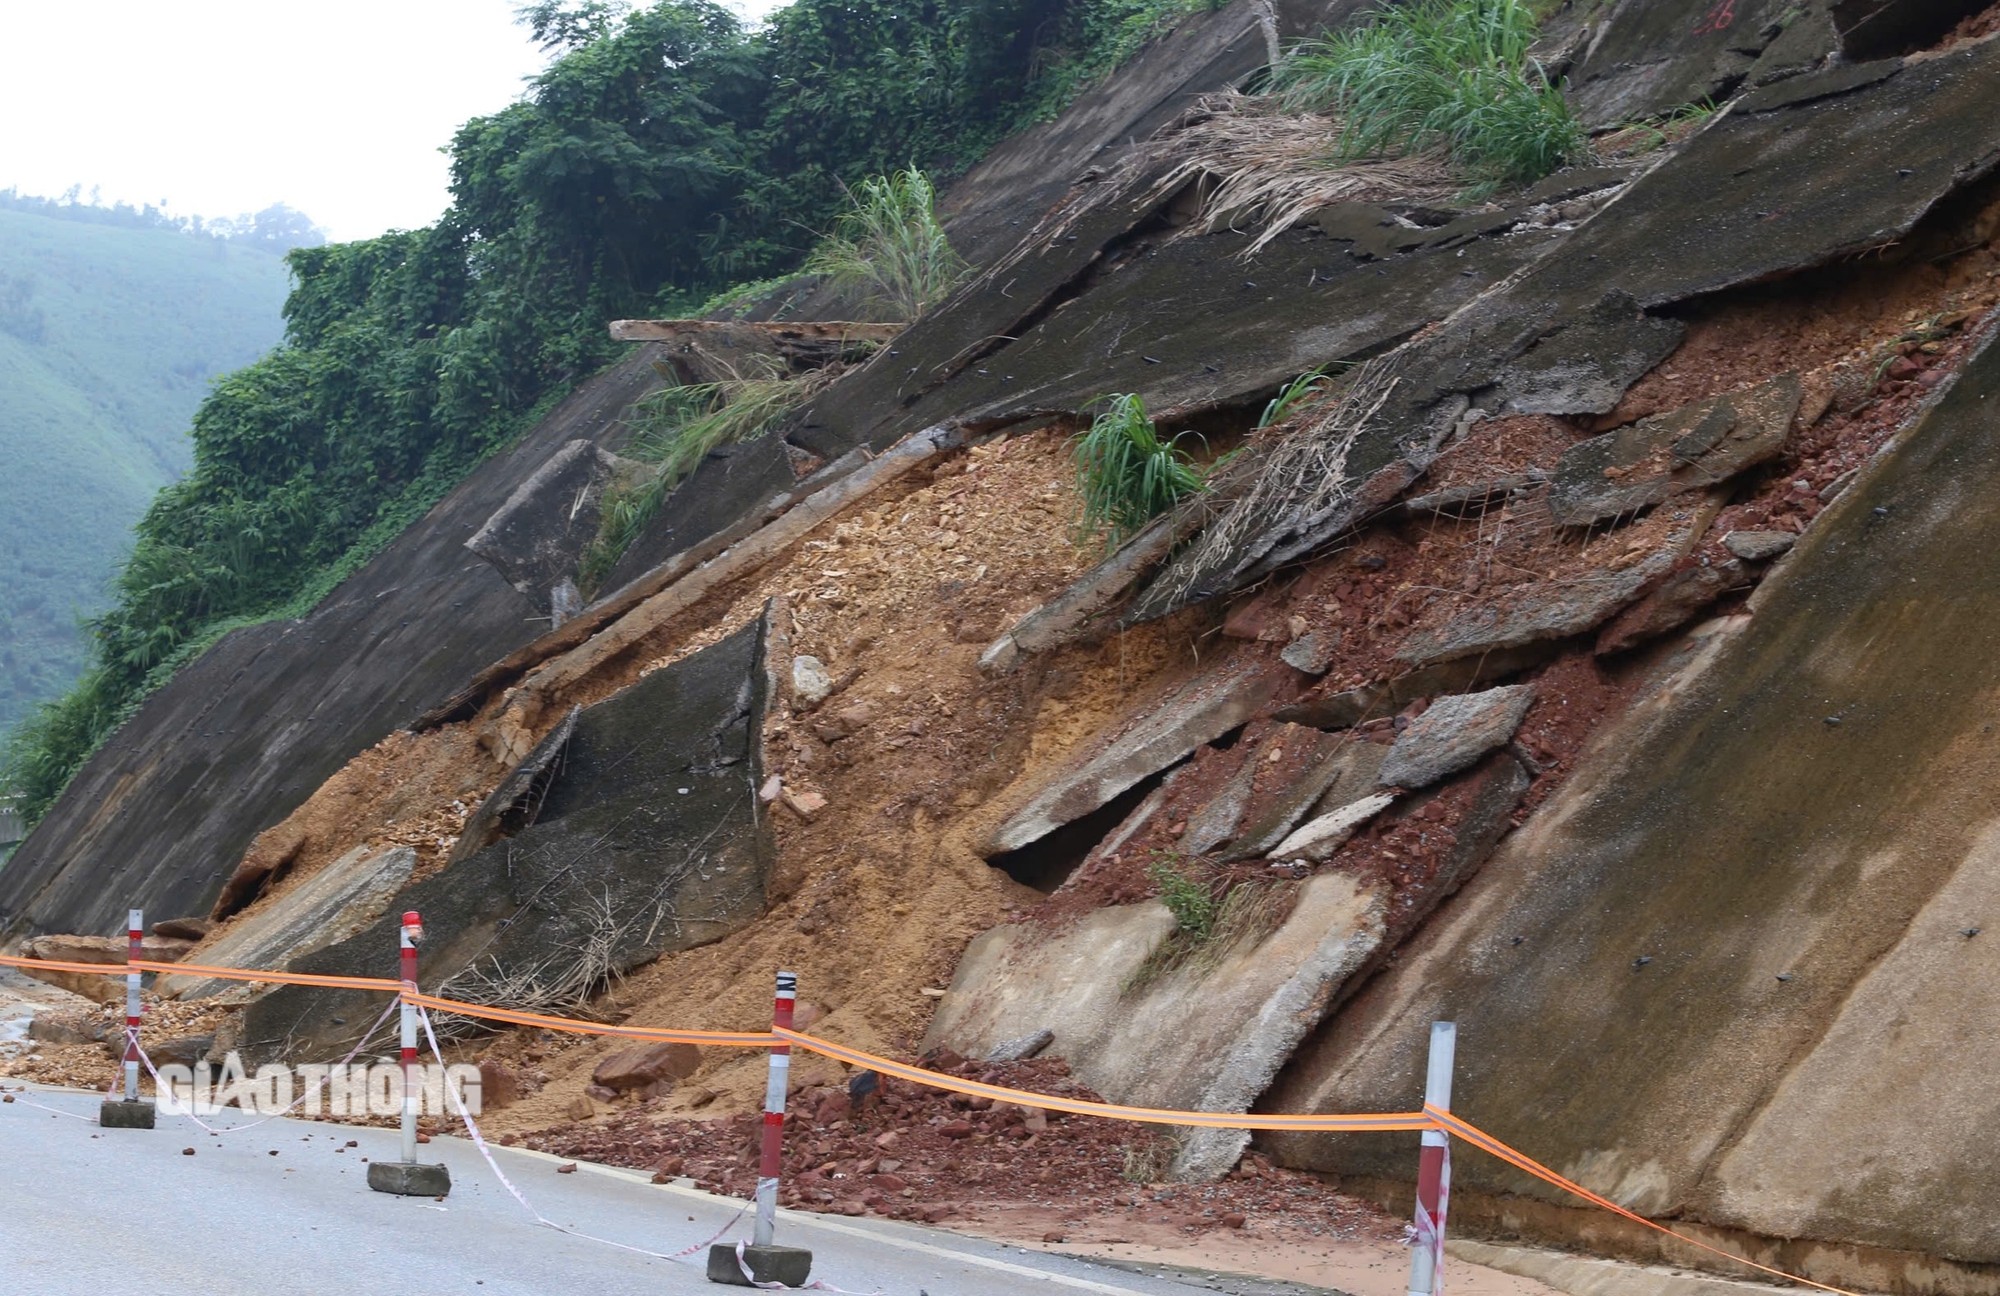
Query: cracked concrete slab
1453	734
1199	711
650	839
1207	1034
327	907
1625	472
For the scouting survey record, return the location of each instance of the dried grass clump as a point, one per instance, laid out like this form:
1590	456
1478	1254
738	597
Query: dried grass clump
1265	169
1313	454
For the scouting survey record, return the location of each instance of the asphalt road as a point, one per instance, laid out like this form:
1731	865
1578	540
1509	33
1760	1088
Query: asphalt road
101	1212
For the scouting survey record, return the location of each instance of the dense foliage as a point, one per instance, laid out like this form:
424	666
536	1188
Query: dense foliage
1451	75
112	325
666	153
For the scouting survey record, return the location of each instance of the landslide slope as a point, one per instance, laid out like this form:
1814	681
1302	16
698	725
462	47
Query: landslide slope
1596	663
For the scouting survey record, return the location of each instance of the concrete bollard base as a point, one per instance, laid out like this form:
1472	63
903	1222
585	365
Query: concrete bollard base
406	1179
768	1264
116	1113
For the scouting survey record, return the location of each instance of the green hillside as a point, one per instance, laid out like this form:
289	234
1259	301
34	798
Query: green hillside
110	332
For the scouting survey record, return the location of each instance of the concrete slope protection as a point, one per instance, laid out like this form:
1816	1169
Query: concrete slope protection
1754	1018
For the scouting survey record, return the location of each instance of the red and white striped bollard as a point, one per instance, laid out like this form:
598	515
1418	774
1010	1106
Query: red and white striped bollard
771	1165
411	932
1433	1168
135	935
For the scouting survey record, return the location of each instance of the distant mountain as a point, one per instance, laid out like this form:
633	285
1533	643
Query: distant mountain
112	322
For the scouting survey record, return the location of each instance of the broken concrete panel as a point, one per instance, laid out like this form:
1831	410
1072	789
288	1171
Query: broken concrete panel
109	950
1547	610
730	482
1215	823
1623	473
1333	760
1826	988
1206	1036
1803	46
537	536
1022	1046
239	738
1318	838
329	906
1074	612
1200	711
517	802
1679	599
1470	500
1188	325
1373	701
1453	734
1799	182
1646	58
651	839
716	350
1587	365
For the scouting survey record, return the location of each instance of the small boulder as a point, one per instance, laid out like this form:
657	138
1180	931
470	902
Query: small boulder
810	682
580	1108
635	1068
1312	652
1758	546
1453	734
190	929
806	805
498	1086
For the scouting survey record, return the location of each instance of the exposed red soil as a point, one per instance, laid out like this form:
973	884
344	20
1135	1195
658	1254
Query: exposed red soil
915	1153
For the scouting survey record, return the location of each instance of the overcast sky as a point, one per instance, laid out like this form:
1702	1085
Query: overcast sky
221	107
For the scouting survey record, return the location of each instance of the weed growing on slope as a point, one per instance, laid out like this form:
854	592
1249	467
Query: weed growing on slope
1126	474
1452	75
890	247
677	427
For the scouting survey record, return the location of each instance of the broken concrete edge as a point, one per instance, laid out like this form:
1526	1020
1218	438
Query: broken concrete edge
1068	617
779	332
1217	703
1290	1013
822	494
741	559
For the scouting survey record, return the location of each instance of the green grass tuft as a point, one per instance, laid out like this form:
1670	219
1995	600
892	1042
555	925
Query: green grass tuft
677	427
1452	75
1126	474
890	247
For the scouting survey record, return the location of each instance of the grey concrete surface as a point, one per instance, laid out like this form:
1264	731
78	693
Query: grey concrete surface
89	1212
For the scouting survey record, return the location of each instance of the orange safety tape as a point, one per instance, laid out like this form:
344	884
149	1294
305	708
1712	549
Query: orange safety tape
1113	1111
1487	1143
1429	1118
714	1039
226	974
50	965
276	978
